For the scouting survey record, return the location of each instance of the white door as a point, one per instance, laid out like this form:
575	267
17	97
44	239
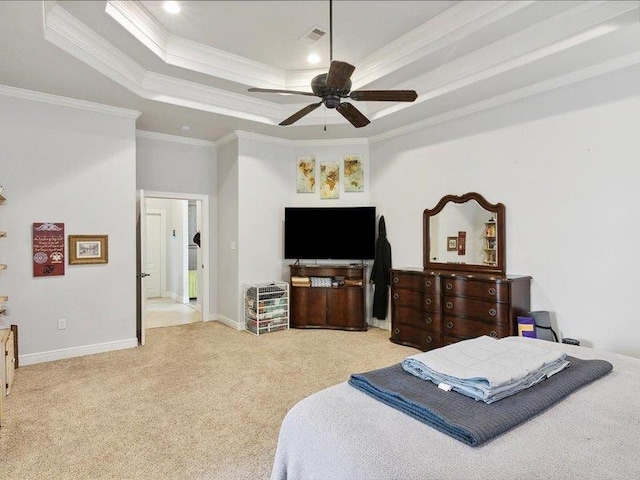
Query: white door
141	300
154	255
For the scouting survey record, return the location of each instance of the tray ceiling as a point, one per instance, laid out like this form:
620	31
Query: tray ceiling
194	68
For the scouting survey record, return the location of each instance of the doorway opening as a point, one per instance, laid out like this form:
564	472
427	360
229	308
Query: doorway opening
175	289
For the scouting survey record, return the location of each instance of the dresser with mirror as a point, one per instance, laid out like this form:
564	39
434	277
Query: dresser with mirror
462	290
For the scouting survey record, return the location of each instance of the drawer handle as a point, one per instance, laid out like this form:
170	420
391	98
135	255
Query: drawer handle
449	305
428	320
492	291
427	301
396	331
396	280
449	324
429	339
427	283
492	312
396	296
493	333
448	286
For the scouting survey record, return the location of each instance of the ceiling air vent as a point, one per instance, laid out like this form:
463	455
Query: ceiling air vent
313	35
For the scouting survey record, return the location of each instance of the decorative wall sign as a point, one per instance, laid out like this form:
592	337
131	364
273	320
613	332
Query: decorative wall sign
452	244
48	249
84	249
329	180
306	174
353	174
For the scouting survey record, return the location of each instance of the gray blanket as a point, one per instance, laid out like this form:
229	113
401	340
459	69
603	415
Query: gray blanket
470	421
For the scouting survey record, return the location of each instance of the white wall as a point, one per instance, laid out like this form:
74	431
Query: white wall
256	181
569	185
227	232
71	162
265	182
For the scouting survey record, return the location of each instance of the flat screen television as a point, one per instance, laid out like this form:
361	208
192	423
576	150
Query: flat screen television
330	233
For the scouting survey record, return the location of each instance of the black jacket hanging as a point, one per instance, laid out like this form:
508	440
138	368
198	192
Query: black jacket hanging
380	275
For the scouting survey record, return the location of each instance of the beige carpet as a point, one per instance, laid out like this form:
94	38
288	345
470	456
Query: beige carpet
199	401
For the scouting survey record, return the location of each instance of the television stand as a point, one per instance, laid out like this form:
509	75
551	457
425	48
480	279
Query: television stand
336	307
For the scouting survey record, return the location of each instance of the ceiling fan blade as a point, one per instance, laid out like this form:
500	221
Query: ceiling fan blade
384	95
270	90
352	114
300	113
339	74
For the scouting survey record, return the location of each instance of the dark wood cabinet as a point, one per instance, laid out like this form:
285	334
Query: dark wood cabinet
339	307
430	309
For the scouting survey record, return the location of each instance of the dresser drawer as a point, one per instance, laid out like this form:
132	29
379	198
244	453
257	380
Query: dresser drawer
415	298
478	309
416	317
415	337
419	281
466	328
489	290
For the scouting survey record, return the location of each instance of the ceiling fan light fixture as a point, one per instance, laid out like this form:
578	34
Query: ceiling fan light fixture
334	86
171	7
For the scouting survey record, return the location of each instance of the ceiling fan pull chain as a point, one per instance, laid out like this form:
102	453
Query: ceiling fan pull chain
325	119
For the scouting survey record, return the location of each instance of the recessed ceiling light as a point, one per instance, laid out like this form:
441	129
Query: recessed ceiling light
313	58
171	7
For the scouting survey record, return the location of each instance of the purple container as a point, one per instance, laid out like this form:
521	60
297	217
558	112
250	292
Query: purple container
526	327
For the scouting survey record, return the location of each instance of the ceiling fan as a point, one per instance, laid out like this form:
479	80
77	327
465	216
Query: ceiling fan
335	85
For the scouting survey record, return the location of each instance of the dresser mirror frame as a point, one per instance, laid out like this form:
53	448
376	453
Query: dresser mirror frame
457	205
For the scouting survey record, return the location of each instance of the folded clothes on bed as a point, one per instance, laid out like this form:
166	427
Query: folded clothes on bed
463	418
487	368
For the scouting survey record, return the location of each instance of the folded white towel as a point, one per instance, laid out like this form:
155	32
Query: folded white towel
486	368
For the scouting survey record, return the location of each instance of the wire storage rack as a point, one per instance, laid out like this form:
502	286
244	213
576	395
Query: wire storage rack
266	307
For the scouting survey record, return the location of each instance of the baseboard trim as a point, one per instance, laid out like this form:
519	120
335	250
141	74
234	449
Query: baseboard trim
51	355
227	321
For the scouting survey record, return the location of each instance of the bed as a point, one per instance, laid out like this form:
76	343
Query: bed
342	433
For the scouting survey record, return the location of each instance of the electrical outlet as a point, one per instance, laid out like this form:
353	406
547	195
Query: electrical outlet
62	324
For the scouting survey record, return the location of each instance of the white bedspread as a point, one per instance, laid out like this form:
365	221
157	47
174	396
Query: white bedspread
341	433
487	368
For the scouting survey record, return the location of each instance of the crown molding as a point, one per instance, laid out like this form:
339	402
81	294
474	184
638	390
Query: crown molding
228	138
67	102
514	95
65	31
69	34
580	24
165	137
180	52
572	27
243	135
436	34
330	142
